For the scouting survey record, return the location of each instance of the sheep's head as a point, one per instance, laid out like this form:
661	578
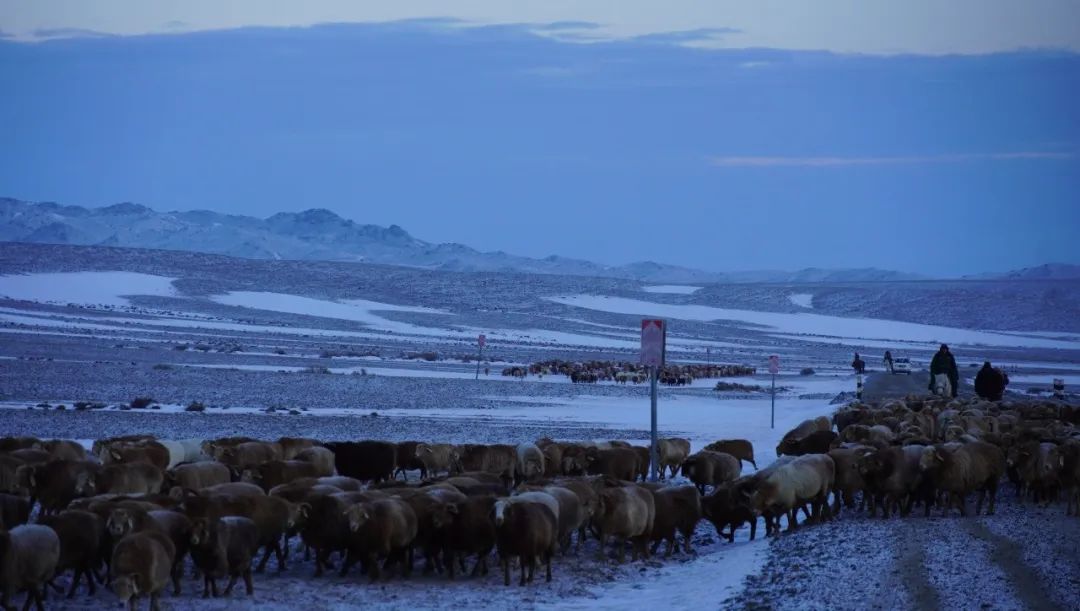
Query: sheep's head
422	450
357	515
931	458
126	587
500	510
120	522
442	515
201	531
303	511
251	475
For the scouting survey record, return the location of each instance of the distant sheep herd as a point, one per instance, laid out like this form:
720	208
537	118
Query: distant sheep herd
591	372
139	506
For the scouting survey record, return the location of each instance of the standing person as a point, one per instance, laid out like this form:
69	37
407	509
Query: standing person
944	363
990	383
888	361
858	364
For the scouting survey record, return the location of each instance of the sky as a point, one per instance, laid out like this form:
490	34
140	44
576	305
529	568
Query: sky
934	139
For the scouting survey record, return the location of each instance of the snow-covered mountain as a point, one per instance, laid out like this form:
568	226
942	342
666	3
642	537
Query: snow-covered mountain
320	234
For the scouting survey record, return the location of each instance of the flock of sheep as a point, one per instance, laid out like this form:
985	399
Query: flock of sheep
138	506
625	372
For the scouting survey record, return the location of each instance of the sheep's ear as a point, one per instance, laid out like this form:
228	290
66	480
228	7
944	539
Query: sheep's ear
452	508
134	579
304	509
115	454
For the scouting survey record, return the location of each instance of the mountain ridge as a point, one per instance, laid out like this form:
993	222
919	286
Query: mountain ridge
321	234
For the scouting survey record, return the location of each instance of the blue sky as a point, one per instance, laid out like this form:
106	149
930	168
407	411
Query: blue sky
505	137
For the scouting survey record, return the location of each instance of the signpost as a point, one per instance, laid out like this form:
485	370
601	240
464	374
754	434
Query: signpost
1059	388
480	341
774	368
653	347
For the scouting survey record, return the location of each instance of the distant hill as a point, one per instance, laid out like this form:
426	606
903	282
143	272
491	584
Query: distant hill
322	235
1048	271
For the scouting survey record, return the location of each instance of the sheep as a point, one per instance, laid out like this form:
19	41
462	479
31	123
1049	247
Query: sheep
499	459
574	459
64	449
526	530
141	565
277	472
224	546
321	457
739	448
472	531
100	448
678	508
9	444
407	460
1070	475
1037	465
972	466
619	463
529	464
671	454
176	526
821	423
644	459
892	476
433	517
129	478
365	460
57	483
14	510
383	527
707	468
81	536
626	513
728	506
805	479
28	558
572	515
291	447
197	475
149	452
435	458
818	442
553	453
249	454
325	527
848	479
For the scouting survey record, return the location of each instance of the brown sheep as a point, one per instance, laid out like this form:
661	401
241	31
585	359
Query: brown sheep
82	536
892	477
64	449
1070	476
806	479
1037	466
626	513
671	454
365	460
123	521
849	480
574	459
958	471
277	472
739	448
141	565
381	528
291	447
325	528
100	447
727	506
434	515
678	509
529	464
224	546
818	442
57	483
10	444
407	460
436	458
129	478
14	510
197	475
711	469
321	457
149	452
28	558
619	463
804	429
499	459
249	454
644	459
553	453
471	532
527	530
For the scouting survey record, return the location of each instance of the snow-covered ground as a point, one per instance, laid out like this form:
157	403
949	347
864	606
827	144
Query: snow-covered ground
86	288
803	300
672	289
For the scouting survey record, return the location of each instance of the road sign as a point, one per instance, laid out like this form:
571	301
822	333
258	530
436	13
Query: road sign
481	340
774	364
653	342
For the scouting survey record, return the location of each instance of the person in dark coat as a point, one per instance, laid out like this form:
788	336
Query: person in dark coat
990	383
943	362
858	364
888	361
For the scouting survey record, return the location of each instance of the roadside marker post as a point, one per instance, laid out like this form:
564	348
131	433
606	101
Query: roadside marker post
858	386
1059	388
774	368
653	348
480	341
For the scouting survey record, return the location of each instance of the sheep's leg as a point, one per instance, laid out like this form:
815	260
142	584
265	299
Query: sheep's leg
74	582
603	540
961	502
521	564
347	563
547	562
979	502
229	586
249	586
793	519
670	546
506	569
155	602
206	585
373	567
621	542
266	557
753	530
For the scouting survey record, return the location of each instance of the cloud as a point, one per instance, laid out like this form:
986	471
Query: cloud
175	25
827	162
43	33
682	37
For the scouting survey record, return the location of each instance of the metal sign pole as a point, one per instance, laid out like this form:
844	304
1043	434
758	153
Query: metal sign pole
772	414
654	459
479	357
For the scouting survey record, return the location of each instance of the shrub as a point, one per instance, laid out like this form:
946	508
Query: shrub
162	367
807	371
141	402
180	347
279	351
315	369
195	406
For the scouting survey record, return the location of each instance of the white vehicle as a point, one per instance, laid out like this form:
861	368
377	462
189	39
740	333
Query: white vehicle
902	365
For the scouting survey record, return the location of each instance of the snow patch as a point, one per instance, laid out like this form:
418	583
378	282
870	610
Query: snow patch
85	288
673	289
802	300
